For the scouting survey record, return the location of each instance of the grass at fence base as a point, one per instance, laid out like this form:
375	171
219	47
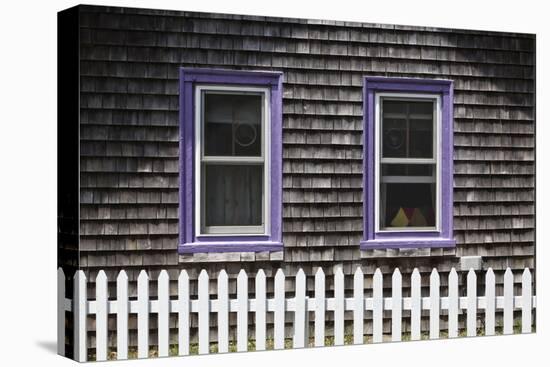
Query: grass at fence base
270	344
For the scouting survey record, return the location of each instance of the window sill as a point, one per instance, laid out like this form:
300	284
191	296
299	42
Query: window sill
399	248
227	246
215	252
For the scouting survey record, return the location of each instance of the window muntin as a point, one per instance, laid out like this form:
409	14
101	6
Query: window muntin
407	191
232	165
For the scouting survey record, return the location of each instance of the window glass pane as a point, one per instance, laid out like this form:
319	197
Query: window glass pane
395	108
407	205
407	129
394	137
233	195
232	124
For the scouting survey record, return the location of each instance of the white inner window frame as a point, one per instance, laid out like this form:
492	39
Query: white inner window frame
265	158
437	116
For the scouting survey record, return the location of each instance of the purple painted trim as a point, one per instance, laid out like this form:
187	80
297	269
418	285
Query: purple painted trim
409	239
189	242
253	246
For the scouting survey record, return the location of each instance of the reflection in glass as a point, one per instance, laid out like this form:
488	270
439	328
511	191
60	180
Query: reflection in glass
407	129
232	124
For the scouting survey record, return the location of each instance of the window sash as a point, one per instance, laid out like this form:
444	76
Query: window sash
379	159
201	160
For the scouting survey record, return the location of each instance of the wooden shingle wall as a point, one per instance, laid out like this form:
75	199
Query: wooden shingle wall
129	61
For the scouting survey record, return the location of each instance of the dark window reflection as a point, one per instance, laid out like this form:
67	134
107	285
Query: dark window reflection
232	124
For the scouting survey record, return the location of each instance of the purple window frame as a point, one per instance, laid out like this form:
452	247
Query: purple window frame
408	239
189	242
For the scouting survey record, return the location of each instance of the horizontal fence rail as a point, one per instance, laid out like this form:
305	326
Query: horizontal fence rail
300	305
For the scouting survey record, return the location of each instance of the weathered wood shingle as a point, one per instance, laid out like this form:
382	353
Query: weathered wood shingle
129	60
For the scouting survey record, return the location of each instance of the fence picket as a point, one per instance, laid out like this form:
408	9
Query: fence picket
508	302
416	305
377	306
204	313
260	310
242	311
490	302
101	307
319	307
358	305
453	304
143	314
101	299
299	340
223	312
397	306
471	311
279	312
80	310
60	312
434	304
122	315
163	313
526	301
183	309
338	305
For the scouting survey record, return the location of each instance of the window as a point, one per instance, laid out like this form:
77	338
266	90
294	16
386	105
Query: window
231	150
408	163
230	191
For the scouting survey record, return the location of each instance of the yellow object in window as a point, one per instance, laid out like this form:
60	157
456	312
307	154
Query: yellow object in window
400	219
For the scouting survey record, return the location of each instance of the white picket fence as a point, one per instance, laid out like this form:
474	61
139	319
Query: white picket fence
300	305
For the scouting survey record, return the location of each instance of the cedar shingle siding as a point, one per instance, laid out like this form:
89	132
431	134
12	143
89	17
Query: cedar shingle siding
129	64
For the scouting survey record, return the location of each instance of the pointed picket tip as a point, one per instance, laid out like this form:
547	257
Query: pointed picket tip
471	273
122	276
260	274
143	275
358	272
319	272
415	272
79	275
526	272
490	275
184	276
453	277
242	274
301	274
223	275
203	274
396	273
434	277
377	273
101	276
60	272
338	269
508	274
279	274
242	280
163	275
